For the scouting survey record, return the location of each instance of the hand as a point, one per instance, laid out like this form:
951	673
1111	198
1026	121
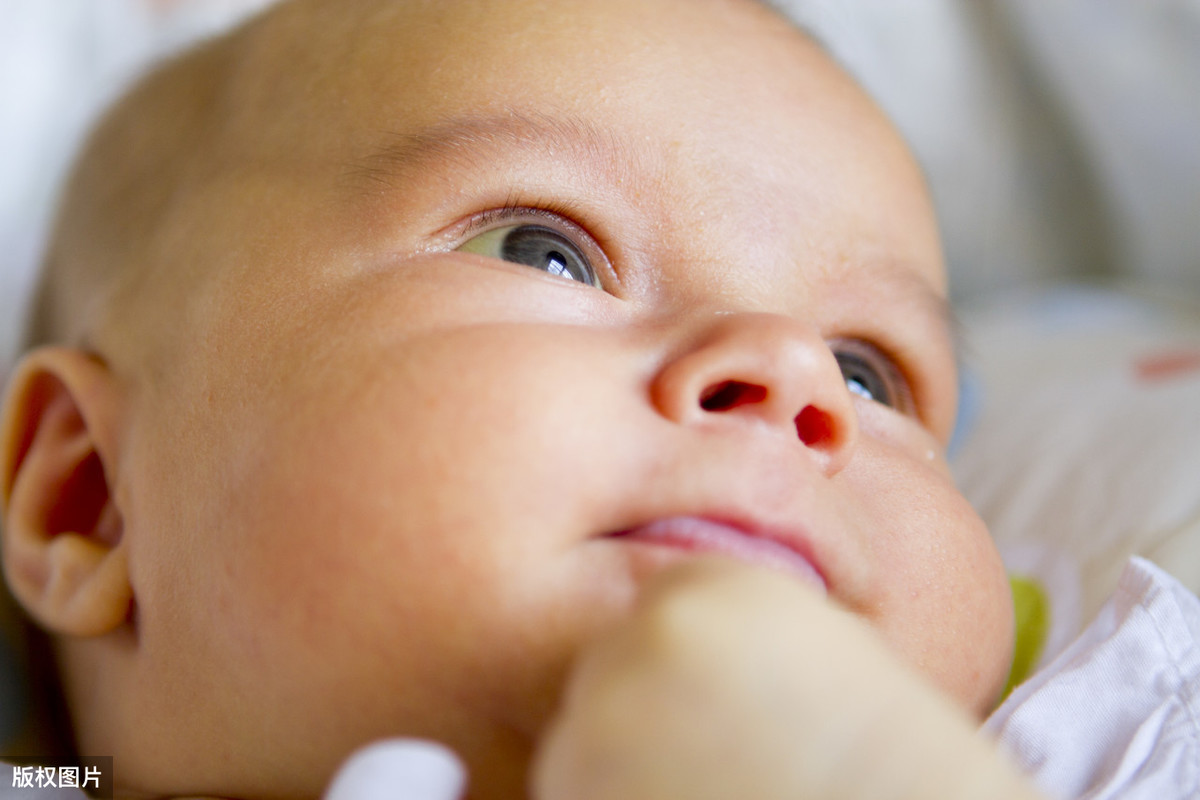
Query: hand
732	682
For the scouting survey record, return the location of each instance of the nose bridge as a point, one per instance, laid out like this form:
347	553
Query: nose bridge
754	368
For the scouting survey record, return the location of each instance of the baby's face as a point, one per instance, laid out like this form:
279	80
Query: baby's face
500	309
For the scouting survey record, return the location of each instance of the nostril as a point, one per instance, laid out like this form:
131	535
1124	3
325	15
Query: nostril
731	394
815	428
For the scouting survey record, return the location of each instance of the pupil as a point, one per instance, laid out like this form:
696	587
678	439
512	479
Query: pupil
546	250
864	380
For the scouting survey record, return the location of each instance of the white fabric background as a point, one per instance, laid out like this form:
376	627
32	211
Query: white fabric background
1061	137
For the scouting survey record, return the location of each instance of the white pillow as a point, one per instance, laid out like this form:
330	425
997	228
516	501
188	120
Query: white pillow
1083	441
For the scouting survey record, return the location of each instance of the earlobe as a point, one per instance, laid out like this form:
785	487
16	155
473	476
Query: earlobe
63	549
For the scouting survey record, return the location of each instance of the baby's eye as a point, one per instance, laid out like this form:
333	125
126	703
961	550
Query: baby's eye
872	375
536	246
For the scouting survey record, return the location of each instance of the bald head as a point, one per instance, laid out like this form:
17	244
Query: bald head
145	151
229	104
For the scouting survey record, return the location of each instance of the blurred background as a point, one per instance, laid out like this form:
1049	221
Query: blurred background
1061	137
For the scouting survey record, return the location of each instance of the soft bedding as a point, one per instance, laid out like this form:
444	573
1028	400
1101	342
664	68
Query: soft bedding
1082	442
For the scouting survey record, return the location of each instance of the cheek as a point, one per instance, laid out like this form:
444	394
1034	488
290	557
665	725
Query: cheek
404	527
972	619
944	601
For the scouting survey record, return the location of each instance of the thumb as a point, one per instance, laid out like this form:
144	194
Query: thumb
400	769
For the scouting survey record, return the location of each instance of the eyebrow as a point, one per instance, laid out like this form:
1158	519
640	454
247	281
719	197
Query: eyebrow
467	142
909	290
941	308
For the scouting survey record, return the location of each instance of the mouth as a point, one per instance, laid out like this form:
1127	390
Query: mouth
702	535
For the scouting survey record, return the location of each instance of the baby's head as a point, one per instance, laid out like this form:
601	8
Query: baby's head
398	344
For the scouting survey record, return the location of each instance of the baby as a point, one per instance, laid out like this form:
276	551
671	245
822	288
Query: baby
403	365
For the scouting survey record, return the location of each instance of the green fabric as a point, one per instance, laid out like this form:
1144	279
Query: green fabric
1032	609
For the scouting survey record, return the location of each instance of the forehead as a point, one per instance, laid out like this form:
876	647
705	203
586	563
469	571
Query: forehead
433	60
694	107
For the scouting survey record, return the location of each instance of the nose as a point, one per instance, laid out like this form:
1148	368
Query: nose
767	370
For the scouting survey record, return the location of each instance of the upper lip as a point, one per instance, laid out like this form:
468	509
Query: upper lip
759	486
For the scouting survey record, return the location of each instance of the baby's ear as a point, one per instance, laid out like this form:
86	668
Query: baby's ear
62	532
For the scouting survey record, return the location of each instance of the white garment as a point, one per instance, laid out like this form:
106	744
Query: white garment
1116	715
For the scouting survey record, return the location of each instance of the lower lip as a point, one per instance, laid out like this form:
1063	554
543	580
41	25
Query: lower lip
706	536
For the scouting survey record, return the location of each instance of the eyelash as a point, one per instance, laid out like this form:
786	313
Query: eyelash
554	211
